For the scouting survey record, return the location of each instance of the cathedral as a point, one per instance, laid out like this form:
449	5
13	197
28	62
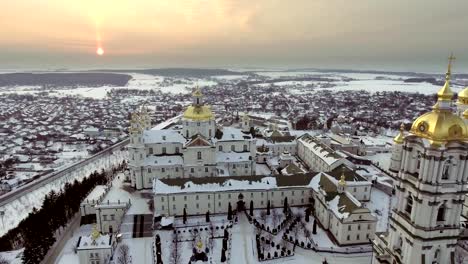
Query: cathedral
199	149
430	168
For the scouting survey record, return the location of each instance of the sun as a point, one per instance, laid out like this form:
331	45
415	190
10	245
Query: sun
100	51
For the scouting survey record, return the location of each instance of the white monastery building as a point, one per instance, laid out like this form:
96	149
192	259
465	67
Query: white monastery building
200	149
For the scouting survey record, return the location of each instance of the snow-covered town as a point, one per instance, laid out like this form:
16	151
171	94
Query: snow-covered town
256	174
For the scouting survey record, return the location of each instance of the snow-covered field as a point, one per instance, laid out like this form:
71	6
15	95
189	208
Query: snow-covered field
175	85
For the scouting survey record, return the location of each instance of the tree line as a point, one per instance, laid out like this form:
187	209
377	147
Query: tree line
36	232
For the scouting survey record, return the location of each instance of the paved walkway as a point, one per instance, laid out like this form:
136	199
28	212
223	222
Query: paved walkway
134	226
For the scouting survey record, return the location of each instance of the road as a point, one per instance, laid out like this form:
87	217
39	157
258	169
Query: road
17	193
62	240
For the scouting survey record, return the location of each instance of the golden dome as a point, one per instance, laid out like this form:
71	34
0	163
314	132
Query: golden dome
342	180
401	136
463	96
441	125
198	113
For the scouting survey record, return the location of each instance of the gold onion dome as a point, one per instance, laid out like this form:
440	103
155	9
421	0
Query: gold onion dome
441	125
401	136
197	111
342	180
463	96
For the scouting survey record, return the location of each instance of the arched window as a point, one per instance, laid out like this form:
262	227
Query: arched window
409	205
441	213
437	256
446	169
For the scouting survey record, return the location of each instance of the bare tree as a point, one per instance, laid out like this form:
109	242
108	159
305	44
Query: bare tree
307	235
212	232
268	239
176	249
123	255
263	217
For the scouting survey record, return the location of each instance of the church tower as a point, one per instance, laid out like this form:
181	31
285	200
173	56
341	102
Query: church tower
198	118
136	149
395	161
430	188
246	123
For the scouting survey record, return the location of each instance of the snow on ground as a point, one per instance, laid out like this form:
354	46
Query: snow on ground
243	240
141	249
262	169
373	86
18	209
379	205
13	257
116	193
382	159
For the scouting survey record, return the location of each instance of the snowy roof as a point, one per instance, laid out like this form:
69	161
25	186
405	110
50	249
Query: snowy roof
167	221
232	157
341	204
233	134
162	136
167	160
87	242
327	154
350	175
216	184
96	194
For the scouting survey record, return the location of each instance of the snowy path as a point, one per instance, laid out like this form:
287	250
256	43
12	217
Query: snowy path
242	250
246	236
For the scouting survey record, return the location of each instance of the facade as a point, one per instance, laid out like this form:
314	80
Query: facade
95	248
214	194
340	212
200	149
430	188
109	216
88	205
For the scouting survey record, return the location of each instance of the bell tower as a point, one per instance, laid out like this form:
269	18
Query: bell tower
430	188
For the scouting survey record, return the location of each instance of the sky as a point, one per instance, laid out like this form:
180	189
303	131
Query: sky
416	35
